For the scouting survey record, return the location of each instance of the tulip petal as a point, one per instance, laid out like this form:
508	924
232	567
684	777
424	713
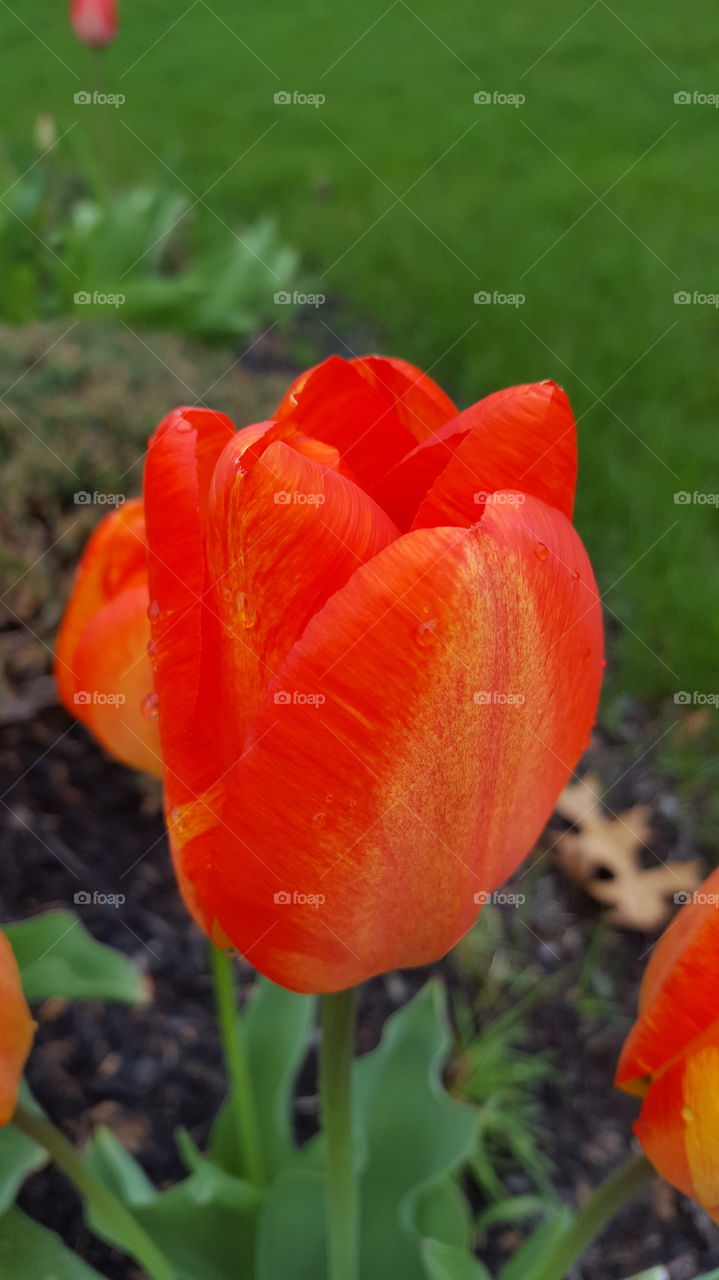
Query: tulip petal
421	405
336	404
114	559
16	1030
678	994
282	538
678	1126
180	460
116	699
521	438
423	795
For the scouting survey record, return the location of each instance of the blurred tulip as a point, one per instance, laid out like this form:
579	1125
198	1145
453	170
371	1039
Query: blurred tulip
671	1056
102	666
16	1031
377	653
94	21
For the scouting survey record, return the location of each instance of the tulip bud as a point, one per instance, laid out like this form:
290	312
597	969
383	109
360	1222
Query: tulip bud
16	1030
94	21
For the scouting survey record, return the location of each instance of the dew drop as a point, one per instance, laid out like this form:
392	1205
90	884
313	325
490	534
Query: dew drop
175	819
154	610
427	632
226	593
152	648
246	610
541	550
239	467
184	426
687	1114
329	797
150	707
318	817
575	576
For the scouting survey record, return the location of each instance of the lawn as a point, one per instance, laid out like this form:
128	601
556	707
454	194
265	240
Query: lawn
594	199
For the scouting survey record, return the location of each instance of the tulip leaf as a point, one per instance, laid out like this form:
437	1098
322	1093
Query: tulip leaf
441	1212
525	1261
19	1157
275	1027
204	1226
58	957
28	1251
451	1262
413	1133
291	1238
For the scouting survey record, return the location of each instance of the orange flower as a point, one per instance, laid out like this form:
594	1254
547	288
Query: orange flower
102	666
671	1055
377	653
94	21
16	1031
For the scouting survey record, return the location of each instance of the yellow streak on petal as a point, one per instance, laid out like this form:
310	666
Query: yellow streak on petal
701	1120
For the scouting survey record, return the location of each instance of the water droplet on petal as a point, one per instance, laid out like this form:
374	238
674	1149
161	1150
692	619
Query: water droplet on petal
239	467
150	707
541	550
427	632
318	817
329	797
152	648
183	425
575	576
687	1114
226	593
154	610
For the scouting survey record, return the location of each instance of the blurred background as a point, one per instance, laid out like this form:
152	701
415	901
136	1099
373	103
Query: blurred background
499	194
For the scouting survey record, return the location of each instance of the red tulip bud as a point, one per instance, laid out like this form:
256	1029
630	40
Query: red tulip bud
94	21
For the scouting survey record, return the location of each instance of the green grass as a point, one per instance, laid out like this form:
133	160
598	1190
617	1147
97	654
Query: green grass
490	207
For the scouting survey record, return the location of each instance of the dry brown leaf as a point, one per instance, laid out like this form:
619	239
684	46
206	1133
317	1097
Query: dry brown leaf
602	853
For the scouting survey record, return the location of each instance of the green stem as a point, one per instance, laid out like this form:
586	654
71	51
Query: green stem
241	1092
620	1187
336	1110
123	1229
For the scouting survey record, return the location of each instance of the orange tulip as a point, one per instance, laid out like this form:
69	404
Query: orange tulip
671	1055
377	653
16	1030
102	666
94	21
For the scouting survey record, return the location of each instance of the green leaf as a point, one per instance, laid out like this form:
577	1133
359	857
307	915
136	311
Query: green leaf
661	1273
58	957
275	1027
19	1156
291	1240
413	1133
29	1251
205	1225
524	1262
440	1212
448	1262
